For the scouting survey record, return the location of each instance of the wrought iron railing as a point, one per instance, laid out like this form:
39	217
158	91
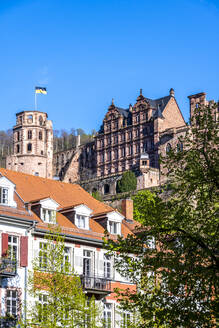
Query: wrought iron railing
8	267
96	283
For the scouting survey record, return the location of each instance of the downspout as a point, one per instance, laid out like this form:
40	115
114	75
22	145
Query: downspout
25	279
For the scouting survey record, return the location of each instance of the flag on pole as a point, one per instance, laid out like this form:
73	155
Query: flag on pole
40	90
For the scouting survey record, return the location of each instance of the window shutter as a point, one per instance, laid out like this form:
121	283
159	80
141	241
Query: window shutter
24	251
4	244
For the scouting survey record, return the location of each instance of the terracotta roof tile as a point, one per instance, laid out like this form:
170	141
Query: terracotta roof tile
31	188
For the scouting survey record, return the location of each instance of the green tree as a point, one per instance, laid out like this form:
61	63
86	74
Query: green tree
178	278
58	299
128	182
96	194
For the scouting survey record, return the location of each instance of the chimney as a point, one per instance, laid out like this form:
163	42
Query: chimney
127	208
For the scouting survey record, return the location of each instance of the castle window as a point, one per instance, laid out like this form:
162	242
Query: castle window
106	189
130	135
168	148
116	154
123	152
144	131
137	119
40	135
40	120
29	134
29	147
179	147
18	149
18	136
137	149
41	152
145	146
30	118
137	133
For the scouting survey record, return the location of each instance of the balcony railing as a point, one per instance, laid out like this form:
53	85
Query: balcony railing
96	284
8	267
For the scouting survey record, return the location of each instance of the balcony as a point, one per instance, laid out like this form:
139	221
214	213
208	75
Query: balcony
100	287
8	268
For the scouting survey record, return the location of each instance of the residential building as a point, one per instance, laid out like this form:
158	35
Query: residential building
28	206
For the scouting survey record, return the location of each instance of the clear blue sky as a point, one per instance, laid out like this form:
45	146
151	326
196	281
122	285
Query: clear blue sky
90	51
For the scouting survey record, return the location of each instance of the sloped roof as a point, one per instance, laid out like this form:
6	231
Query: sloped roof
30	188
158	104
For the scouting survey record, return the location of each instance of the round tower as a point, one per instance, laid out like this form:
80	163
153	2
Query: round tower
32	144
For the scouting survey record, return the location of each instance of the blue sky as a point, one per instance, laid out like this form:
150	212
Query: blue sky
88	52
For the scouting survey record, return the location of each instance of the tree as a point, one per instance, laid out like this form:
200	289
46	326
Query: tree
96	194
58	299
128	182
178	278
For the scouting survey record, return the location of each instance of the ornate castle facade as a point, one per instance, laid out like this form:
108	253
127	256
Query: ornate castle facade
129	139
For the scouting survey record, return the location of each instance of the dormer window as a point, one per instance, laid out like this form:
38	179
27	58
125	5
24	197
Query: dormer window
48	210
4	196
114	227
82	216
80	221
7	192
48	215
114	222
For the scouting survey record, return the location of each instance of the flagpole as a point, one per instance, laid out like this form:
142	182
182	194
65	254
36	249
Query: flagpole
35	100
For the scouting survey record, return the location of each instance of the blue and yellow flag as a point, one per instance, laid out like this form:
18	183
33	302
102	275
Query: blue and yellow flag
40	90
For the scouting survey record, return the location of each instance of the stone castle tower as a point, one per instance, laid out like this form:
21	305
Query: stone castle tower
32	144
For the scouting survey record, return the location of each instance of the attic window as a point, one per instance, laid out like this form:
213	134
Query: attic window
114	227
80	221
48	215
3	196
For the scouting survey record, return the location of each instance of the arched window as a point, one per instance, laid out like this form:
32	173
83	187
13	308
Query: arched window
18	149
179	147
40	120
168	148
40	135
29	147
29	134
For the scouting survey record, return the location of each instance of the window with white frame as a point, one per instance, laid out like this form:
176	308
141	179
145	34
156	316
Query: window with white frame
43	261
114	227
43	301
11	302
107	315
4	196
68	258
48	215
13	247
126	319
107	262
80	222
